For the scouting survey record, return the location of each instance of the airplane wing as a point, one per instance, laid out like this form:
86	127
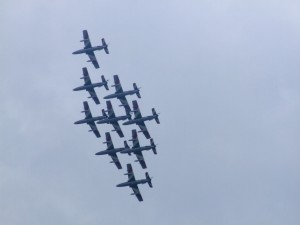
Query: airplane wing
117	128
116	160
119	89
137	192
110	110
136	144
86	39
94	129
125	104
140	158
144	129
88	115
93	95
130	173
117	85
108	141
111	114
136	110
138	115
135	140
87	110
93	59
87	44
87	81
110	146
86	76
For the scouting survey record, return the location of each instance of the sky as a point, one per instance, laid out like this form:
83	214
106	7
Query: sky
224	76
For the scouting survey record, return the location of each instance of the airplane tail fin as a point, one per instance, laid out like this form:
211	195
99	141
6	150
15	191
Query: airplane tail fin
104	113
104	45
155	116
104	82
137	89
149	179
153	146
127	147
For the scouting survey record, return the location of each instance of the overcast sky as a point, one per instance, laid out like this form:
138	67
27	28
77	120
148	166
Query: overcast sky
224	75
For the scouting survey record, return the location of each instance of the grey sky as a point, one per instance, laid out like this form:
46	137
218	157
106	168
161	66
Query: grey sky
223	74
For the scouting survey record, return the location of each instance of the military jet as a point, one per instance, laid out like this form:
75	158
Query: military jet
112	151
112	118
133	183
89	50
121	95
139	120
89	86
89	119
137	149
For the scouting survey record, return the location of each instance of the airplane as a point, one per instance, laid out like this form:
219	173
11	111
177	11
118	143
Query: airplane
121	95
112	151
89	50
89	119
89	86
139	120
133	183
137	149
113	119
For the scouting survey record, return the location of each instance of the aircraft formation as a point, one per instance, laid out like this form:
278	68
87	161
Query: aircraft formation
109	117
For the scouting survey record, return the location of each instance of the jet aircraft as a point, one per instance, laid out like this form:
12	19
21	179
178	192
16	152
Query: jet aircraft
137	149
89	50
133	183
112	118
89	86
139	120
89	119
112	151
121	95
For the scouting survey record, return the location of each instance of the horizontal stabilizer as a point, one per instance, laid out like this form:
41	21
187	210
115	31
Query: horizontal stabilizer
104	45
104	82
149	180
155	116
137	89
153	146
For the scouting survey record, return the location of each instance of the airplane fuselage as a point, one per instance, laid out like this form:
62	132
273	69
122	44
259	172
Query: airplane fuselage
132	183
86	87
139	149
110	151
139	120
111	120
92	119
87	50
124	93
